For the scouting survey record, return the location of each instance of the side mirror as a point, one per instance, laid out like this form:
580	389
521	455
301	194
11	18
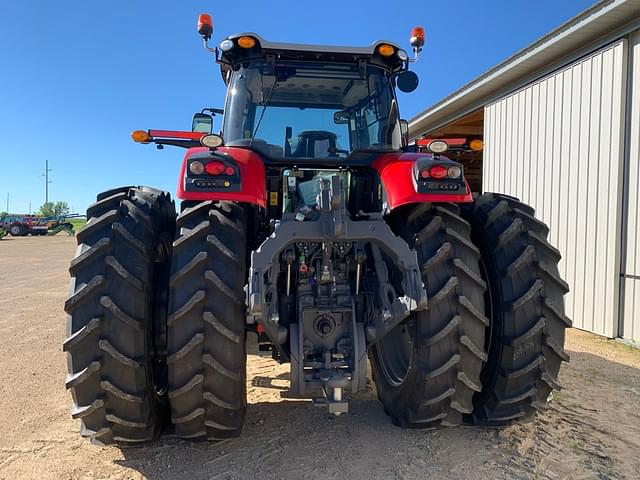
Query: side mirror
205	26
407	81
341	117
202	123
404	130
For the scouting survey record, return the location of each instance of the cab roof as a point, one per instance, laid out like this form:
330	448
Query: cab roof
305	52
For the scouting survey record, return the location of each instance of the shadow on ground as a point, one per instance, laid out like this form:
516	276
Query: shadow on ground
579	437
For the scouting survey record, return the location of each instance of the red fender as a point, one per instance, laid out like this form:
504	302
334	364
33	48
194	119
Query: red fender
396	173
252	178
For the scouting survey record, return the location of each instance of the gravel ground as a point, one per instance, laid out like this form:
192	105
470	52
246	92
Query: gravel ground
592	429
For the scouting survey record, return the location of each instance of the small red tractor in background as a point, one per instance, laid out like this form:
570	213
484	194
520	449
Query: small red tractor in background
310	221
20	225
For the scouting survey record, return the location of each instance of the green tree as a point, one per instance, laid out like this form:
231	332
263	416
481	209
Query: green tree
50	209
46	209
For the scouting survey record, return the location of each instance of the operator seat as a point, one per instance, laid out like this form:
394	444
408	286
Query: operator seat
316	143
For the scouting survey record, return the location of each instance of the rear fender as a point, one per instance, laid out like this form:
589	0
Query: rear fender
397	176
252	183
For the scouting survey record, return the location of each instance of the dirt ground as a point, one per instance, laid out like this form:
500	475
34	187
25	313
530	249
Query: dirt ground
592	429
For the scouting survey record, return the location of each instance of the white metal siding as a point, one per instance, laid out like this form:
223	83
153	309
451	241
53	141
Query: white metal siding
557	145
631	287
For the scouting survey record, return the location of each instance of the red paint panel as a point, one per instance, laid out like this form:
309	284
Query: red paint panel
396	173
252	178
176	134
452	142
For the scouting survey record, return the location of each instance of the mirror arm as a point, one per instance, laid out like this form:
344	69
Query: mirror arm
213	111
161	142
416	55
205	41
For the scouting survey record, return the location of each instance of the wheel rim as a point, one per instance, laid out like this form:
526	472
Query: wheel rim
395	352
15	230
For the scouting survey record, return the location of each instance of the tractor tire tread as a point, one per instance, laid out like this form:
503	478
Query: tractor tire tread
529	323
109	315
449	339
207	359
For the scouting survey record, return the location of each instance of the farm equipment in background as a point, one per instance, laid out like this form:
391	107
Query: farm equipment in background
18	225
63	227
310	222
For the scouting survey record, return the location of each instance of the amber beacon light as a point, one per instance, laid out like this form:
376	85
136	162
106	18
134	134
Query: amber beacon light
205	26
417	38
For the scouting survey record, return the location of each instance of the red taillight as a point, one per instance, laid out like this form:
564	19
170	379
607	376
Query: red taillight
214	168
438	171
229	171
424	173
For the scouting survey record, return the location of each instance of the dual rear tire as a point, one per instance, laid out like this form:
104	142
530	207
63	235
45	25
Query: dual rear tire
156	329
526	306
206	348
427	369
116	308
489	348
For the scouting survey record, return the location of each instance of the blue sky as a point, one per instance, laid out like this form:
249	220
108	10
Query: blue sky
76	77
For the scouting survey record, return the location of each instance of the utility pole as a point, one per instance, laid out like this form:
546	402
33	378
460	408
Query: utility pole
7	202
46	181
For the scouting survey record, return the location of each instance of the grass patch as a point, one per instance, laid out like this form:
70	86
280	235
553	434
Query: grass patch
629	347
617	344
78	223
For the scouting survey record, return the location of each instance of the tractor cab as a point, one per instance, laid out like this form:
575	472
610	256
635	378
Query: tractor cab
296	102
291	102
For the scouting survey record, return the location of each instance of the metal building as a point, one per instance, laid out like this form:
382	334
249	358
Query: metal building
560	121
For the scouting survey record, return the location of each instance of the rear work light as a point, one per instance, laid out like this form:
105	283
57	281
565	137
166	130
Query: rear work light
438	146
211	140
226	45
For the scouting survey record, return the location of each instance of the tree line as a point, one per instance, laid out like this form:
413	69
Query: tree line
50	209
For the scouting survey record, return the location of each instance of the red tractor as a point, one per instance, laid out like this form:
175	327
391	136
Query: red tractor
309	221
